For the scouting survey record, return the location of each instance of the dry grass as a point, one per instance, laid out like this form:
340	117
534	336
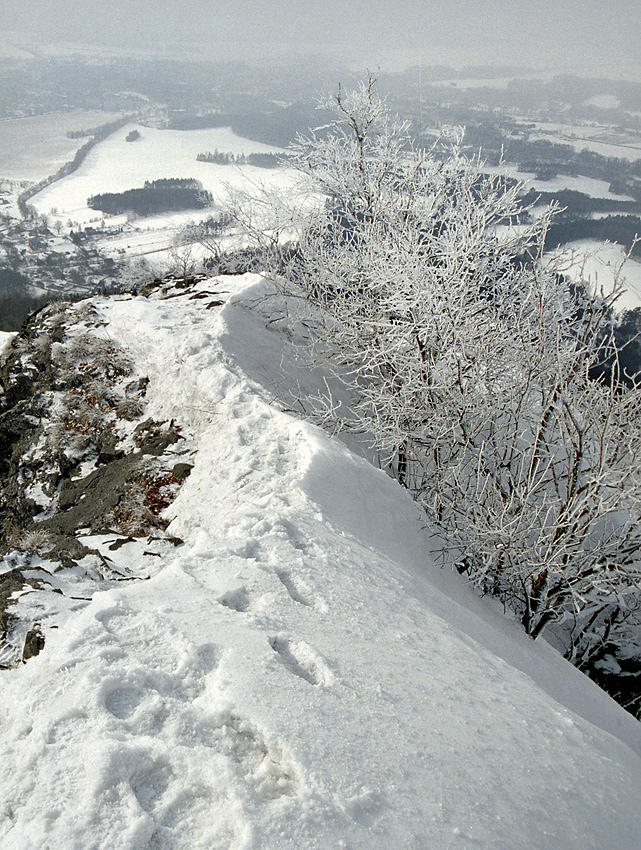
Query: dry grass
139	510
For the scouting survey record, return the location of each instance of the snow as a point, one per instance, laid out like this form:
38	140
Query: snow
472	82
587	185
5	341
604	141
298	674
8	51
115	165
604	101
34	148
596	262
600	264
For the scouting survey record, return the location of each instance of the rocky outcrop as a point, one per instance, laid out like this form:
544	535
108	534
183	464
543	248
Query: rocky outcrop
77	454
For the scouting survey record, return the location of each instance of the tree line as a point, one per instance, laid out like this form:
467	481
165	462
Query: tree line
261	160
578	203
622	229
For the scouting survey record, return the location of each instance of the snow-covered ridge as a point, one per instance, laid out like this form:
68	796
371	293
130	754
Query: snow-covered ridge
298	673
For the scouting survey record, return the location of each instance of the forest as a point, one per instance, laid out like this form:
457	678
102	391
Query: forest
156	196
578	203
622	229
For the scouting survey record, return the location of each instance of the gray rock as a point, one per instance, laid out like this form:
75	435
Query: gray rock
181	471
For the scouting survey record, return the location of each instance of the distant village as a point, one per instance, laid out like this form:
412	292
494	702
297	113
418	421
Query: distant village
43	255
50	262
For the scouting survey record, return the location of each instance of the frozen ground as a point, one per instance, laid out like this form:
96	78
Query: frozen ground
298	674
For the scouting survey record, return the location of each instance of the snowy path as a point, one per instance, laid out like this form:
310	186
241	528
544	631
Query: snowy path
297	674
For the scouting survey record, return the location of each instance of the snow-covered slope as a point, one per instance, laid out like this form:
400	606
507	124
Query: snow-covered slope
298	674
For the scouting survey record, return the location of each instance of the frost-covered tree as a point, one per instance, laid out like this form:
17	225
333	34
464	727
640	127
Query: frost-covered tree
474	367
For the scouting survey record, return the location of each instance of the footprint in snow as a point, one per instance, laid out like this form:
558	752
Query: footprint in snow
300	591
171	663
262	763
200	811
123	702
236	600
301	660
150	782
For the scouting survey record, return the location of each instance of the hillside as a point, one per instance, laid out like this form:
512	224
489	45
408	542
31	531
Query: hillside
248	643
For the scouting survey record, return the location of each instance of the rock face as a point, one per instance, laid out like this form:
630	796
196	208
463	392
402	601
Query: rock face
10	582
76	452
34	642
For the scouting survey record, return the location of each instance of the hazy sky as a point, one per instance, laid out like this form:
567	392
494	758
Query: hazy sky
499	31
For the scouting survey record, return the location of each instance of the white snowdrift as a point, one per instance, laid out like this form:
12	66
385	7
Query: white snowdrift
298	674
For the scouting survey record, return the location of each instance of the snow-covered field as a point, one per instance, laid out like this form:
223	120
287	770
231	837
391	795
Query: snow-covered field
596	262
600	264
298	674
12	51
604	101
116	165
34	148
588	185
604	141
